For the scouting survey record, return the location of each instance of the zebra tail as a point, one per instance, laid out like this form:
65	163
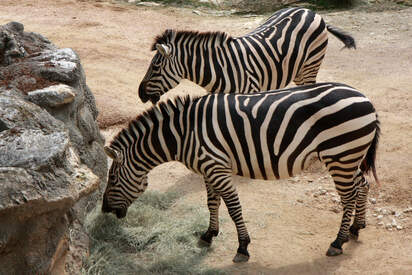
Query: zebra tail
348	40
369	161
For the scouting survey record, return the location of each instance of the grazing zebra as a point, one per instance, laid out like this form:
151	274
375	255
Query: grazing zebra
289	46
269	135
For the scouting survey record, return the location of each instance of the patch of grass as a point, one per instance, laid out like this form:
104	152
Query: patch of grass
154	238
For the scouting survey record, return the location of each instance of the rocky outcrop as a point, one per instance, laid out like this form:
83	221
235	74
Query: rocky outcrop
51	155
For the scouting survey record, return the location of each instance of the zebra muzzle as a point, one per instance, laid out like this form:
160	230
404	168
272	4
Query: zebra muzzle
119	212
142	92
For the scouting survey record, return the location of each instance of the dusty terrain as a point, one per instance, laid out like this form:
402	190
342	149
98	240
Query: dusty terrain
291	222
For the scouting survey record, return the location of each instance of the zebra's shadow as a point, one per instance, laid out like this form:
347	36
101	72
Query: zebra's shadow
319	266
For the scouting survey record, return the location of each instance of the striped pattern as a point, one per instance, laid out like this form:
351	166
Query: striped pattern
268	135
289	46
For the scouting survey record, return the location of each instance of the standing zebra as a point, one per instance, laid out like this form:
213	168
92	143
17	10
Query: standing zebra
269	135
289	46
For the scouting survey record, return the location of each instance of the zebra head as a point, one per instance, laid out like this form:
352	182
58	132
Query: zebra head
162	74
122	187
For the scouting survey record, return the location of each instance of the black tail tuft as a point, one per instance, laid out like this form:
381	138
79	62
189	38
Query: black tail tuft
348	40
369	161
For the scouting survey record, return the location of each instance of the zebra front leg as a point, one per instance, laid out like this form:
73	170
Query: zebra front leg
232	202
361	202
213	203
335	247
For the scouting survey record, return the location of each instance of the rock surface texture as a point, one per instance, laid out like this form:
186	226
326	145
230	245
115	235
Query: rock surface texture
51	155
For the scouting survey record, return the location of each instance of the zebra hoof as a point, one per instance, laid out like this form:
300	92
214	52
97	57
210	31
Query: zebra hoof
333	251
240	258
204	243
353	236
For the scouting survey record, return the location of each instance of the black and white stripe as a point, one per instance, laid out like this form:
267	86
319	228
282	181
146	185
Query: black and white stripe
269	135
289	46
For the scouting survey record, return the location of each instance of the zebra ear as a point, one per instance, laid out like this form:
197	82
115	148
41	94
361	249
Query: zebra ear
163	49
112	154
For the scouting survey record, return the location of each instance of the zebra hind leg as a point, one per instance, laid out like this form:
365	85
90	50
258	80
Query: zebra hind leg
213	203
347	192
361	202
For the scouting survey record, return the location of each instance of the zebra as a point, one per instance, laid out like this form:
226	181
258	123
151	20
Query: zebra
289	46
268	135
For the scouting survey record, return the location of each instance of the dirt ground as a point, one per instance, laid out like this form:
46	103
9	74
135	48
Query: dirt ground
291	222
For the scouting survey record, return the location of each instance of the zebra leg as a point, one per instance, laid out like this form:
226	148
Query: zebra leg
361	201
348	198
213	203
222	184
232	202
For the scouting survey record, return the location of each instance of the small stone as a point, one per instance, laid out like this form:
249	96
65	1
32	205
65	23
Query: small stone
398	214
399	227
407	210
335	199
374	214
394	223
323	192
299	200
196	12
335	210
388	226
385	212
372	200
380	217
148	4
380	223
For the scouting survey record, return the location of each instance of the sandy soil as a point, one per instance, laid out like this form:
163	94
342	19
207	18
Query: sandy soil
291	222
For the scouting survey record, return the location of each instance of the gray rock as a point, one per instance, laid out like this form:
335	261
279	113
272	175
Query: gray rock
52	96
52	163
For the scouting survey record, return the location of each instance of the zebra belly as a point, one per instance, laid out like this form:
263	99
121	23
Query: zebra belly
271	173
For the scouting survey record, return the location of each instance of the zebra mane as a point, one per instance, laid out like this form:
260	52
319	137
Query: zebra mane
167	36
163	108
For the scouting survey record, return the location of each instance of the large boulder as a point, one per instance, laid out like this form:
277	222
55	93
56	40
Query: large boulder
52	163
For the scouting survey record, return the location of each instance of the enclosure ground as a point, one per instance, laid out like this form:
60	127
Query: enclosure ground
291	222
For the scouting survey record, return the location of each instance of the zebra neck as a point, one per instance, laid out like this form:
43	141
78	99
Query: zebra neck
206	62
